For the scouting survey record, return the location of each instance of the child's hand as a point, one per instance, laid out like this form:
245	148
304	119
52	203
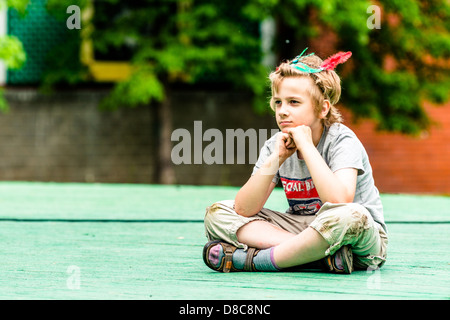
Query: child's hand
301	136
289	143
286	146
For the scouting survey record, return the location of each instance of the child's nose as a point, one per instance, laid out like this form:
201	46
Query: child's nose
283	109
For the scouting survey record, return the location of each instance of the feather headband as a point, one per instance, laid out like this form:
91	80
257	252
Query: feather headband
329	64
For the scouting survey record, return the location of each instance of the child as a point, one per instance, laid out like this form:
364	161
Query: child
335	216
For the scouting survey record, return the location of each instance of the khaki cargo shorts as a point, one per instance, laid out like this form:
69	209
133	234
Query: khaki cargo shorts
339	224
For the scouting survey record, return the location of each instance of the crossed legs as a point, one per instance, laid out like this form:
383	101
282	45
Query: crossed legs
290	249
298	240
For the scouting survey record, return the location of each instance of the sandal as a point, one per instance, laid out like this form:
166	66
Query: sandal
226	263
346	256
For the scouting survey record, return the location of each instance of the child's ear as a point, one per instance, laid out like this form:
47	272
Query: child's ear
325	109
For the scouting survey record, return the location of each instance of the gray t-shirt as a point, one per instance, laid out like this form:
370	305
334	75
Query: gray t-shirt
340	148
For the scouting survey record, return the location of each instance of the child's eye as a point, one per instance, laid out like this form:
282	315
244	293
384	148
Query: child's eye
277	102
295	102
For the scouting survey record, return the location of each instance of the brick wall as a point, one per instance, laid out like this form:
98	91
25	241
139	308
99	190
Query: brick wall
65	137
409	164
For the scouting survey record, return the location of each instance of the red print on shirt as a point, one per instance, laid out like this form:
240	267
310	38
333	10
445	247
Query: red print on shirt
302	195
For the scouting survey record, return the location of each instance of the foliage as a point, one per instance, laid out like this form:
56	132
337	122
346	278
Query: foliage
11	49
187	41
190	41
12	52
63	65
413	34
416	38
207	43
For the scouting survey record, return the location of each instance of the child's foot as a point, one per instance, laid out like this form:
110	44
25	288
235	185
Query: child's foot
221	256
340	262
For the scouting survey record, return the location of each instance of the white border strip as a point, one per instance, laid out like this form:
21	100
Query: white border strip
3	31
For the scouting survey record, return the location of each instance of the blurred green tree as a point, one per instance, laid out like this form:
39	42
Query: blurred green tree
397	63
12	52
63	66
172	42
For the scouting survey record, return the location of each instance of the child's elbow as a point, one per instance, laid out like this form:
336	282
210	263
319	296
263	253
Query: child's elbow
244	211
342	198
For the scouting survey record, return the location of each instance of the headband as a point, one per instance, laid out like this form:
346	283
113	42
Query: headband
329	64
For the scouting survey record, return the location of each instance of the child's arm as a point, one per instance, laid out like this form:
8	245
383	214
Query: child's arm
334	187
253	195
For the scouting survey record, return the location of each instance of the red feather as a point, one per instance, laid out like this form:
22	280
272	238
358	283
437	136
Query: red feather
334	60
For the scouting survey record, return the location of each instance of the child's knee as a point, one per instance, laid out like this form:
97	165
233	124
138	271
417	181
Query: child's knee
212	216
342	224
220	220
353	215
355	220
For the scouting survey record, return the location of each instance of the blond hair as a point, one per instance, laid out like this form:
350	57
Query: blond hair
326	85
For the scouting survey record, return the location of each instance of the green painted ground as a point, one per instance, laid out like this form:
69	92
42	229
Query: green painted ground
119	241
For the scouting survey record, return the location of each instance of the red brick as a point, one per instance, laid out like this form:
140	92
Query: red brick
409	164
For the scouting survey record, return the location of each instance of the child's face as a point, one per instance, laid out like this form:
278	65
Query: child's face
294	106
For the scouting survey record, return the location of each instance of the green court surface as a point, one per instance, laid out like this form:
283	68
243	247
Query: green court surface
123	241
